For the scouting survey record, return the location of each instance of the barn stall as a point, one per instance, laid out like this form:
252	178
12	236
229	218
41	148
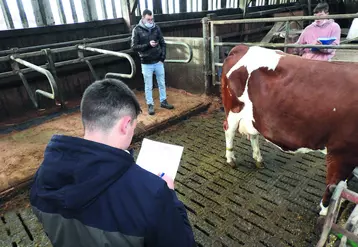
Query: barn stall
44	69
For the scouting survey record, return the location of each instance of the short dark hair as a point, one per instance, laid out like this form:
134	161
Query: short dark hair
105	101
147	12
323	6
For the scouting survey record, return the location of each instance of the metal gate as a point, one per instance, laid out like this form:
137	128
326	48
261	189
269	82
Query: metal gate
16	56
212	41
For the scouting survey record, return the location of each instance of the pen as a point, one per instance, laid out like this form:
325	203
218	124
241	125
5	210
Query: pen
161	175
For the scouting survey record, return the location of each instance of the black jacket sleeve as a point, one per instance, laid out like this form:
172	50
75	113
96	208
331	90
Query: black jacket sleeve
135	42
172	226
162	44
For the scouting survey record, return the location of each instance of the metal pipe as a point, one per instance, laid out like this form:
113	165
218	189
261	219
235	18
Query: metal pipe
43	71
206	45
63	49
190	50
212	50
277	45
73	42
286	34
280	19
117	54
60	64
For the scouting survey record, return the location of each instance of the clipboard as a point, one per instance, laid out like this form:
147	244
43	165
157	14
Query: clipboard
157	157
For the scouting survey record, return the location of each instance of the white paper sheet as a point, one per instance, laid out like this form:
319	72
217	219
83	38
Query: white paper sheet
157	157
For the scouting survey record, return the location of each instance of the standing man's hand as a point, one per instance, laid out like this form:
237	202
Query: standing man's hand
153	43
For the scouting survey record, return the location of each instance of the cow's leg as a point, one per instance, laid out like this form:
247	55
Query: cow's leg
256	153
230	131
337	170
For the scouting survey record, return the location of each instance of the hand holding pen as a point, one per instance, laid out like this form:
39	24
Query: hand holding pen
169	180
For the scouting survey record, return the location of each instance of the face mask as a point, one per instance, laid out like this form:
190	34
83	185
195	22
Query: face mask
148	24
320	22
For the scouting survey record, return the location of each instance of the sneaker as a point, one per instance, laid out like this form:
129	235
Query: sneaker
166	105
151	109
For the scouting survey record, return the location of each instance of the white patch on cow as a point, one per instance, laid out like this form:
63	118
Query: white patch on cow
300	150
257	57
324	210
334	109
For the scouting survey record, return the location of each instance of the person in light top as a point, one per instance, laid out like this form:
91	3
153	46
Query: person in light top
322	28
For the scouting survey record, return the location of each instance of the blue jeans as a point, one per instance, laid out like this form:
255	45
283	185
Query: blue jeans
147	71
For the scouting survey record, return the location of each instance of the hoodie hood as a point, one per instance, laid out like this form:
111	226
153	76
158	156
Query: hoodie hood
76	171
141	24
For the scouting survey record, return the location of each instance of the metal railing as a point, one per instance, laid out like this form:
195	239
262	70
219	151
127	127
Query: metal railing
35	99
49	69
214	39
81	48
190	52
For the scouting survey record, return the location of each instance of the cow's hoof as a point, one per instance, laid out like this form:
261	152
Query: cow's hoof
232	164
260	165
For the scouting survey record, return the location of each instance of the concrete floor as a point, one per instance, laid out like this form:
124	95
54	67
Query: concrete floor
275	206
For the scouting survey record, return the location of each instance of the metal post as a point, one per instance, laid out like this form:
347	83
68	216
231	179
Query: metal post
309	7
73	10
51	80
24	21
212	51
16	69
207	71
287	34
7	15
61	11
52	66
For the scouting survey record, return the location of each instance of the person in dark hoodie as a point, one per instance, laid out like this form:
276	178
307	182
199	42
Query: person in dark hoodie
148	41
90	192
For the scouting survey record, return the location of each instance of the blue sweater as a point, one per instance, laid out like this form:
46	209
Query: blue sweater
90	194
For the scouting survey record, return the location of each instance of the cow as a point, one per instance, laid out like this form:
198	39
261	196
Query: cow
299	105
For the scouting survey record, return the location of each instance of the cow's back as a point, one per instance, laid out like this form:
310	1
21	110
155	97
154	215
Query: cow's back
306	102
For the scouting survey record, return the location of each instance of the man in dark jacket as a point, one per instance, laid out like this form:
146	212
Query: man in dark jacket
90	192
148	41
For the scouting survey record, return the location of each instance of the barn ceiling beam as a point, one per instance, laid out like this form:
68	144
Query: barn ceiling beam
20	6
7	15
89	10
43	13
128	9
61	11
73	10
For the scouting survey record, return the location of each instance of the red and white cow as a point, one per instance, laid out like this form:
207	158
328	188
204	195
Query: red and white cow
299	105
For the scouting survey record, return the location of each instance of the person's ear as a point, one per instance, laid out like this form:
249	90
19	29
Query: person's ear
125	124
